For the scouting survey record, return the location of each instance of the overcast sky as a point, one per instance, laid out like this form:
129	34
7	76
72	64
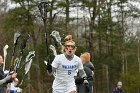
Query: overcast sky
77	12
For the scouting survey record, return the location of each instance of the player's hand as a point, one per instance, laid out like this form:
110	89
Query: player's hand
86	84
49	68
11	76
79	80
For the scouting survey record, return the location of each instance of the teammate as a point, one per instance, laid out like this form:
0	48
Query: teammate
89	70
4	81
65	65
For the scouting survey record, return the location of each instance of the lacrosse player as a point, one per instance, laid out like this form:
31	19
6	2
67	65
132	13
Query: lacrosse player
5	80
88	68
64	66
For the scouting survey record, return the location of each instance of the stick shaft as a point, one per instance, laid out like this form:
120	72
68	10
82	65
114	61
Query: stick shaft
16	38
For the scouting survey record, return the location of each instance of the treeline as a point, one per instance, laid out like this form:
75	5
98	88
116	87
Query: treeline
108	29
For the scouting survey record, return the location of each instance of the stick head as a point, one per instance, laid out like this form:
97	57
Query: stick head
53	49
4	50
23	45
30	56
16	36
6	46
55	34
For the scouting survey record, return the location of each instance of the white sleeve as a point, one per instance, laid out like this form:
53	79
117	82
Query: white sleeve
80	65
55	62
2	81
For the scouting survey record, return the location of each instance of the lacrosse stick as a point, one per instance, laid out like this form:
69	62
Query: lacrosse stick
28	62
30	55
53	49
27	68
55	34
54	52
5	54
22	47
16	37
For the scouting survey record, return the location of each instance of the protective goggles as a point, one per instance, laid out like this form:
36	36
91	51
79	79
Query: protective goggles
68	46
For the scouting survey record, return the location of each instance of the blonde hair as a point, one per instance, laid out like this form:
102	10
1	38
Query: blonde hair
86	55
62	49
67	38
70	41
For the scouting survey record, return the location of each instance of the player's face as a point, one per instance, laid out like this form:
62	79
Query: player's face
70	48
119	86
1	60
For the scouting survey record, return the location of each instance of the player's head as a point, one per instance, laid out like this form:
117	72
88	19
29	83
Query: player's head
69	47
119	84
67	38
85	57
1	60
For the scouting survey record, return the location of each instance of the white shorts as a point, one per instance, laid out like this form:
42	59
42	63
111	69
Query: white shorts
72	89
64	87
64	91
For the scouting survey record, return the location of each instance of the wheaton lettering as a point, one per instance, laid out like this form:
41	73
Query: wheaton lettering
69	66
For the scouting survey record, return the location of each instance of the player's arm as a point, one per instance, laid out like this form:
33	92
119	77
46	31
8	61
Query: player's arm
2	81
81	71
8	78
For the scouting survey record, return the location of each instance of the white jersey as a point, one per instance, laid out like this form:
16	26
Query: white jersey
65	71
14	89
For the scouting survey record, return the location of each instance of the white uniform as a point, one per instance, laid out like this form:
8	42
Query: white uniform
14	89
65	70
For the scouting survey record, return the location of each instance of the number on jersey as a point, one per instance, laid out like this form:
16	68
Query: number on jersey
69	72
